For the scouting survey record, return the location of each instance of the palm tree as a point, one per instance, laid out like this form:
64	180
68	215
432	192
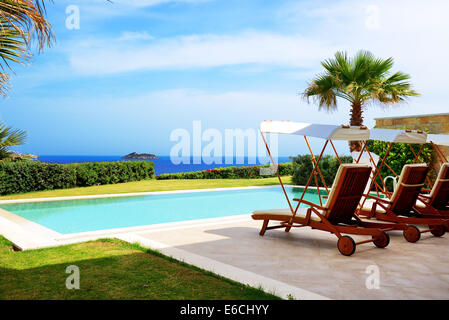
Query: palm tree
21	22
10	137
361	80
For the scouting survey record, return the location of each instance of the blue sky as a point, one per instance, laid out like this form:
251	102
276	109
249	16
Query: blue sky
136	70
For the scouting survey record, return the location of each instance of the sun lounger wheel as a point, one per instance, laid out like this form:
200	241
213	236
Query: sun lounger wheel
383	241
412	234
346	245
438	230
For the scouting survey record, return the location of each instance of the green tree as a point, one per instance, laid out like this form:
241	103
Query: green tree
10	137
361	80
22	22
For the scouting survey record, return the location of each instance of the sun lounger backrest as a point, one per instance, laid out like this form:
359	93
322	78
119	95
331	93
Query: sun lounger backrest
346	192
439	196
408	188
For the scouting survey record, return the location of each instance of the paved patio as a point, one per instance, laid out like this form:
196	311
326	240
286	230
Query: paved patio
309	260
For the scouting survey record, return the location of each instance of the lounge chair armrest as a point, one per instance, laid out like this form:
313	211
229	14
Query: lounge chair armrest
309	203
377	198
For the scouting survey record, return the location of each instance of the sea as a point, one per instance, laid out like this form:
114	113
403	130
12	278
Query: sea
164	164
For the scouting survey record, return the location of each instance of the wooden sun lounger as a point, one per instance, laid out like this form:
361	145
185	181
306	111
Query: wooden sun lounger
400	208
436	203
337	215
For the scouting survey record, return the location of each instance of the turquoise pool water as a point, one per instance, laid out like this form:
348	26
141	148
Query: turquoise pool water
72	216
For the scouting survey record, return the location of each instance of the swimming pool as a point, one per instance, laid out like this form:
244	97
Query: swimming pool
83	215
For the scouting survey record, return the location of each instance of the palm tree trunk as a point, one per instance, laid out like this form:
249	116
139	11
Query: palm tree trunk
356	114
356	120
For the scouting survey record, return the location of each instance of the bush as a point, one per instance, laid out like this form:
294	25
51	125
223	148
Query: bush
302	168
245	172
400	155
27	176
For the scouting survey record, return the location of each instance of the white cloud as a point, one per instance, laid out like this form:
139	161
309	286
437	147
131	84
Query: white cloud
200	51
93	10
143	3
135	35
149	3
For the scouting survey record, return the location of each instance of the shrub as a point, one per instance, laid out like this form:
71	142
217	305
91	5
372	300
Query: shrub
302	168
400	155
244	172
27	176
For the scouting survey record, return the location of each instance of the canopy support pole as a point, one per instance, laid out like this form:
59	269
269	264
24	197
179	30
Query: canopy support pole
417	159
277	173
317	169
413	151
336	153
439	152
307	185
361	152
377	172
365	145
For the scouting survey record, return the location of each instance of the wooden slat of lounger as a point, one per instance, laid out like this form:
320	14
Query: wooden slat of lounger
348	194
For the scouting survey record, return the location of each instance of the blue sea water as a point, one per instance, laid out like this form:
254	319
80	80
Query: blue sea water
161	165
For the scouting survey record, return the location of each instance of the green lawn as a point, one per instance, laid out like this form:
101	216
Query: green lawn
149	185
110	269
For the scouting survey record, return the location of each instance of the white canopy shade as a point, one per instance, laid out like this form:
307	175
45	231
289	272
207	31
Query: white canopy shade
439	139
324	131
401	136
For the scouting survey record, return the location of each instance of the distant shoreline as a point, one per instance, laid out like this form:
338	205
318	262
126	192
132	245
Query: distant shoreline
161	165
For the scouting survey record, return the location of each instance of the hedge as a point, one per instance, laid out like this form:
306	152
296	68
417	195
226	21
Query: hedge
27	176
244	172
302	168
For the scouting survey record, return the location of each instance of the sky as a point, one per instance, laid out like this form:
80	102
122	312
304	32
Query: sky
136	70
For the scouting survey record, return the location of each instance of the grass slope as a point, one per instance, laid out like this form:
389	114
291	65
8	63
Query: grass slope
110	269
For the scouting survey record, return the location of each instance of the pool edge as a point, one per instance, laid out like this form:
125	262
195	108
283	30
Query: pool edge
133	194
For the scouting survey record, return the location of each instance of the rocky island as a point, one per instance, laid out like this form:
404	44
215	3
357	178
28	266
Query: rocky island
134	155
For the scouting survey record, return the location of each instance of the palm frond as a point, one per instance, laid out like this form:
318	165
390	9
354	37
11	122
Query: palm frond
10	137
322	91
13	46
21	22
28	18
